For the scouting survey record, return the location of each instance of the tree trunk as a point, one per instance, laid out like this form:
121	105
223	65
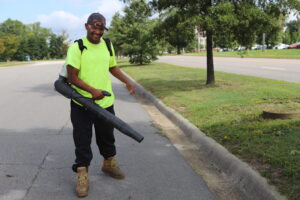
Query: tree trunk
209	57
178	50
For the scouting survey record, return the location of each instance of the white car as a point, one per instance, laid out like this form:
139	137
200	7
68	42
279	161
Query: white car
281	46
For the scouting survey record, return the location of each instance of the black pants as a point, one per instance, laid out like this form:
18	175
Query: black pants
83	121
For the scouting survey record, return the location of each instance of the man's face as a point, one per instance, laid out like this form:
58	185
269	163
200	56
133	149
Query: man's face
95	30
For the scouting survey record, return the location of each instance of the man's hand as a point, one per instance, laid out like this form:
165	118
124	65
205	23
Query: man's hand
130	88
73	78
97	94
119	75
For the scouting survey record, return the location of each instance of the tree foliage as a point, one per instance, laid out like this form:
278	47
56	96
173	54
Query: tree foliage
132	34
292	32
11	44
13	27
226	22
2	47
175	29
18	40
116	32
57	48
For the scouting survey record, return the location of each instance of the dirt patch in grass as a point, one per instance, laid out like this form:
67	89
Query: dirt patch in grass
289	107
180	108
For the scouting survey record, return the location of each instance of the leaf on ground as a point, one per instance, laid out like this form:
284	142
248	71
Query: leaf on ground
10	175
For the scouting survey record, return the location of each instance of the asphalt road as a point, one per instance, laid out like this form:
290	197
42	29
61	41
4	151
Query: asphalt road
36	147
278	69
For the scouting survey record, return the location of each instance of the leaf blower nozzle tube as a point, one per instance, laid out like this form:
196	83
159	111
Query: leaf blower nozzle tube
63	87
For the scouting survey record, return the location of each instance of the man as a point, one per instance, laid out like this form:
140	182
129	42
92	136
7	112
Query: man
88	72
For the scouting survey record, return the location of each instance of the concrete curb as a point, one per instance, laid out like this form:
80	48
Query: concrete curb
246	180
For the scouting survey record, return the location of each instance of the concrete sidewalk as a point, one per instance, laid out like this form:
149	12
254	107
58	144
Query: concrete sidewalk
37	151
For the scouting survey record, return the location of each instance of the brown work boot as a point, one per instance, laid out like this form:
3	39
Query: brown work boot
82	185
110	167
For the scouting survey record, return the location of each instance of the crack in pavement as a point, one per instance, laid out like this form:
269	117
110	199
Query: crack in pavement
56	168
37	174
63	127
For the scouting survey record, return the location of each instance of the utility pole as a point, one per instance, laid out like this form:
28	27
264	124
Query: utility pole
199	42
263	42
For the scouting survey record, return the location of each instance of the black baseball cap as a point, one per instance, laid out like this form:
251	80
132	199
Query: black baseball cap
96	16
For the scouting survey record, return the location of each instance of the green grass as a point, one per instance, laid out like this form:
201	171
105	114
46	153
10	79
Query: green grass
269	53
14	63
230	112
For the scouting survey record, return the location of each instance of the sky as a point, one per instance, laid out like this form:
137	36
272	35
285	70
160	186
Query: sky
59	15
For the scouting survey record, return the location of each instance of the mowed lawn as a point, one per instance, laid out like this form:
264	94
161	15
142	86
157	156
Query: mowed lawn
268	53
14	63
230	112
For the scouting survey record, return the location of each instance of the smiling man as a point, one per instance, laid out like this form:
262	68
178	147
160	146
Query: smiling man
89	61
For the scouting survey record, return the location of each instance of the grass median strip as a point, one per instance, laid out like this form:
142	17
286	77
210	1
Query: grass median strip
268	53
230	112
13	63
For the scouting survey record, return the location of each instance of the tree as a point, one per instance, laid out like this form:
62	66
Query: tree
293	31
38	31
221	21
13	27
37	48
56	45
2	48
116	33
22	51
30	40
11	44
175	29
133	33
242	21
37	41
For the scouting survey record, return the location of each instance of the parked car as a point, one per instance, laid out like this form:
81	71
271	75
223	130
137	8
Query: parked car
258	47
294	46
239	49
281	46
224	49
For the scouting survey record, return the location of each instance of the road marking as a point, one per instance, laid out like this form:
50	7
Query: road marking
274	68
